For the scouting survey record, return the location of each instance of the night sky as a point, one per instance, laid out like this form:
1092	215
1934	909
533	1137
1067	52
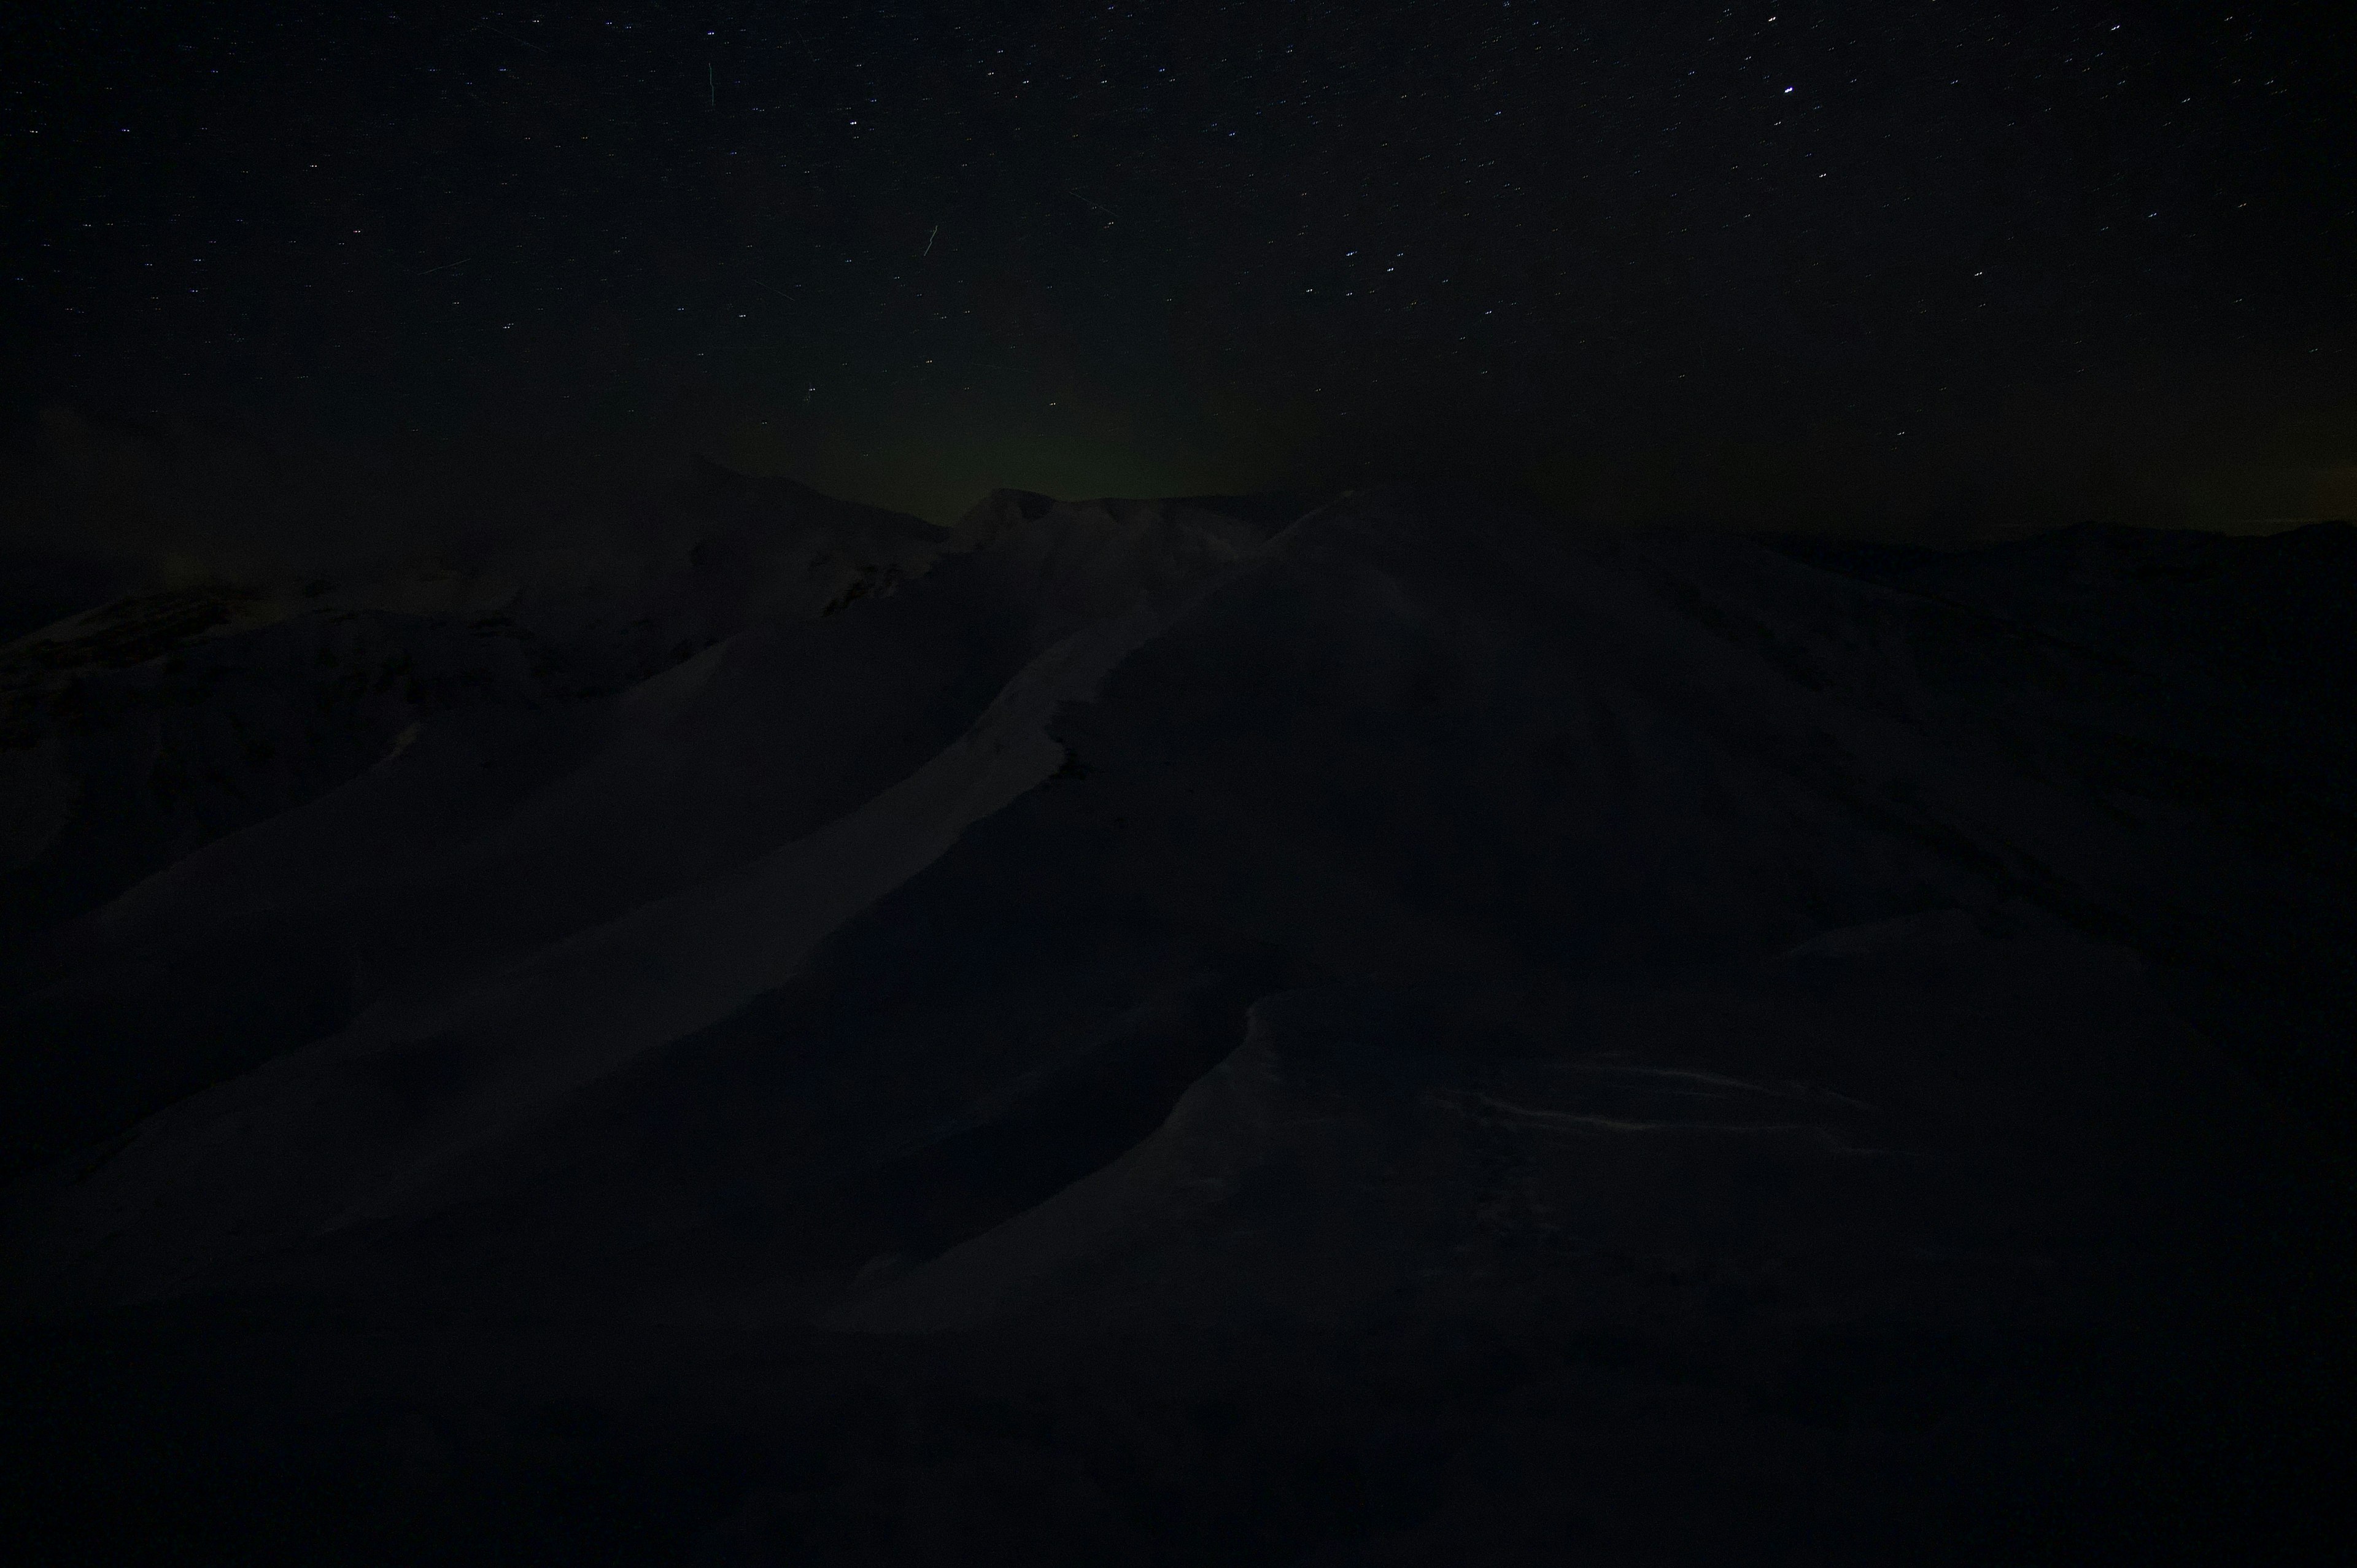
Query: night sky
1948	268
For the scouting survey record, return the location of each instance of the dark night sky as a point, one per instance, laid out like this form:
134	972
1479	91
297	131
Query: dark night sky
1945	267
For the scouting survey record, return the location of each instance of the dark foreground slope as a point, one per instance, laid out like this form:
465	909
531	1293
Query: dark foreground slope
1213	1032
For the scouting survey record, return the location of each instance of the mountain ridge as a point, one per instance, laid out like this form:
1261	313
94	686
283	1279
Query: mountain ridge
1202	923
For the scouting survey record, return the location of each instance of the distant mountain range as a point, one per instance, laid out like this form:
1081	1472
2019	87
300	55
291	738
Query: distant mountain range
1223	1029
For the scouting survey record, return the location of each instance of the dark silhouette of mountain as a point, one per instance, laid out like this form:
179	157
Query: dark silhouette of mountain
1223	1029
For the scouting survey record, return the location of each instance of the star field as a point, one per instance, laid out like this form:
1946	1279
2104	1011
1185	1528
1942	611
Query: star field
1945	264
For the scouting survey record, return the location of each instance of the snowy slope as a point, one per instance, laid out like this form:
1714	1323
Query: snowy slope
1227	922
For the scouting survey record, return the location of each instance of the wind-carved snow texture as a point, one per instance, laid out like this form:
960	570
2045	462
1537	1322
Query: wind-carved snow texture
1175	939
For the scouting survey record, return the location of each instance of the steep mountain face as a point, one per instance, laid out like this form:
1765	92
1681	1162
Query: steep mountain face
143	728
1226	1029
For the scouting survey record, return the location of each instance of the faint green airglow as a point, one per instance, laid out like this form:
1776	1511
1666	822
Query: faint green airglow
939	477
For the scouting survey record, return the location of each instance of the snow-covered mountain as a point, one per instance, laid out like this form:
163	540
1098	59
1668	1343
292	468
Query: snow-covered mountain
1216	1029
